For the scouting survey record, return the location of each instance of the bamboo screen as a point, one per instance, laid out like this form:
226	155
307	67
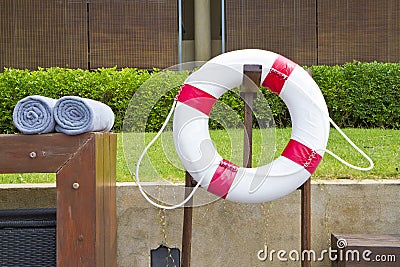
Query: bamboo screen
287	27
364	30
42	33
144	34
133	33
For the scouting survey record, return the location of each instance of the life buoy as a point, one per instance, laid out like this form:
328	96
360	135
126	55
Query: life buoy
300	158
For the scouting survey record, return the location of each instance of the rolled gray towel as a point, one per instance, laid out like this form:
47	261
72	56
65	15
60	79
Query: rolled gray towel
34	115
76	115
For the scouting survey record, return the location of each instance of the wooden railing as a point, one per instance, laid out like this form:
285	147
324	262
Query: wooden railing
85	186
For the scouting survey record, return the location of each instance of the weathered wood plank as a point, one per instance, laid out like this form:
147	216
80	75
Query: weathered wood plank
99	200
76	209
45	153
364	250
110	205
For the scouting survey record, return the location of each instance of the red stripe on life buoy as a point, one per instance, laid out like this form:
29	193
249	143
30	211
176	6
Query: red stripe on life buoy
278	74
196	98
223	178
302	155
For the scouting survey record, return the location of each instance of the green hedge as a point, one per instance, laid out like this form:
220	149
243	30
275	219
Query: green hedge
361	94
357	94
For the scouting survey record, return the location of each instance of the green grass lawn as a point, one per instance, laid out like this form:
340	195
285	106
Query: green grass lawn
162	163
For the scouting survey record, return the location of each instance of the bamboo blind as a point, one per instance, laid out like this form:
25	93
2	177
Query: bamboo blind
144	34
133	33
363	30
287	27
43	33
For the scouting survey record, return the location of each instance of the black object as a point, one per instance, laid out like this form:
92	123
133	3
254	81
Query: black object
165	257
28	237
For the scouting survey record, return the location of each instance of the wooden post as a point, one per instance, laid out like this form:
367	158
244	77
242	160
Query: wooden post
306	220
85	185
306	215
250	85
187	223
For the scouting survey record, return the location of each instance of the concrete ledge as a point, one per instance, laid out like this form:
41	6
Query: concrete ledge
231	234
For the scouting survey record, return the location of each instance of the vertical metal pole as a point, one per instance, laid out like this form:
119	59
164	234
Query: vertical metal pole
88	34
187	223
223	26
180	33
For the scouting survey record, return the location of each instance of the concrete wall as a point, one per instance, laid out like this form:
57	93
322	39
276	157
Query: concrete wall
228	234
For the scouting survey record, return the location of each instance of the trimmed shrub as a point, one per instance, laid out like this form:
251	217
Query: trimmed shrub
357	94
361	94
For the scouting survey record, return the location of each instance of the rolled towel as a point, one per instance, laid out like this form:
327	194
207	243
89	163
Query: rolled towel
34	115
76	115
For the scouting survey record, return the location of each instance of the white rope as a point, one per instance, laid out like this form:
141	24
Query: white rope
371	163
144	194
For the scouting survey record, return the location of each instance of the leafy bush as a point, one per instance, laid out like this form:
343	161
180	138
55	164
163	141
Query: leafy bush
357	94
361	94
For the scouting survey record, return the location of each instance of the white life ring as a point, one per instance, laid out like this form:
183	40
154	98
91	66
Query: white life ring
310	127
